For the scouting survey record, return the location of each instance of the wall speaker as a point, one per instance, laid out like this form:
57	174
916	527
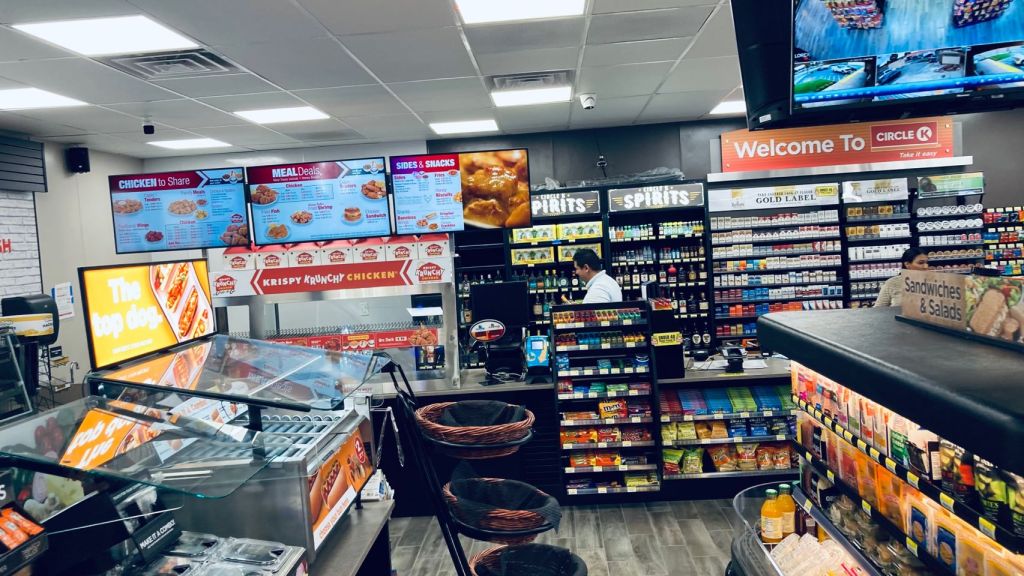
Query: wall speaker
77	160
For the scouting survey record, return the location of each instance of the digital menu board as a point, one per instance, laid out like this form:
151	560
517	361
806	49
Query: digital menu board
137	309
185	210
293	203
450	192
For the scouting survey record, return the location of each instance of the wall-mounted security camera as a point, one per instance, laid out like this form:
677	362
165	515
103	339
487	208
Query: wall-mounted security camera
588	101
148	129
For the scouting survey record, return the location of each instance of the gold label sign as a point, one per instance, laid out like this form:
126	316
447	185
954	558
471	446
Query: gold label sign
667	339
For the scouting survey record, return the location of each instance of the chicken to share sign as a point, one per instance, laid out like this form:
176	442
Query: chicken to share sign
837	145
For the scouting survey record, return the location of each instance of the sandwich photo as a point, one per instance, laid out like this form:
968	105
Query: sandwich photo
995	308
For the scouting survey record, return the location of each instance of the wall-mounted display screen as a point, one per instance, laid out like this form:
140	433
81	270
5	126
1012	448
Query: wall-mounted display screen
319	201
873	52
185	210
134	310
451	191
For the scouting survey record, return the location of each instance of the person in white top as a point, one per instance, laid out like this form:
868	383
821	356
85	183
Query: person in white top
891	293
600	286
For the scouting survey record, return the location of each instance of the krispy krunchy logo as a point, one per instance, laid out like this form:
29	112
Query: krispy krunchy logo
272	261
304	259
402	252
915	134
435	250
336	257
430	272
224	285
238	263
369	254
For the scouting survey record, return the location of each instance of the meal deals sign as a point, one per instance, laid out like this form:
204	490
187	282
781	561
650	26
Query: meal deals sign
560	204
876	190
837	145
727	200
654	197
990	307
331	277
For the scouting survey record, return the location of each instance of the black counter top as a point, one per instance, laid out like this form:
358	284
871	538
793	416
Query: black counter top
965	391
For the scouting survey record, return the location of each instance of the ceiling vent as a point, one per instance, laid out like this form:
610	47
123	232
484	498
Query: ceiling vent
532	80
168	65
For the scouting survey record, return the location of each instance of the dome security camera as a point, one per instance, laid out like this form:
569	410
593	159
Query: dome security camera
588	101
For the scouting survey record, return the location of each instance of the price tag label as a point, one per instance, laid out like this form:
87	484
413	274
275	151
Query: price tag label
866	507
890	464
747	414
609	420
627	444
913	480
627	370
831	477
817	414
719	417
862	445
947	501
987	528
631	489
807	506
828	421
602	490
688	418
912	546
570	470
568	446
605	323
598	469
848	435
570	491
875	454
808	457
602	444
666	419
634	392
603	371
705	441
636	420
780	436
623	468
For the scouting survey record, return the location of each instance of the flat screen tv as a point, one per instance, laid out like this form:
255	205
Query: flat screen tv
183	210
449	192
319	201
833	61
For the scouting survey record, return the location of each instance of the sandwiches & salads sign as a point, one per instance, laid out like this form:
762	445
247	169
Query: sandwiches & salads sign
982	305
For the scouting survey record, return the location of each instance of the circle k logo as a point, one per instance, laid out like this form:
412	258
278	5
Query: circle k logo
925	134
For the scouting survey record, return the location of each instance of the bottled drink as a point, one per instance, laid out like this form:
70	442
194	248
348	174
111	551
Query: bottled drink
662	276
547	309
771	518
636	277
538	308
788	506
691	276
563	281
673	274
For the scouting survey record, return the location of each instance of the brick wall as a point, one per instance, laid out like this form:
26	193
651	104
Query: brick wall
19	245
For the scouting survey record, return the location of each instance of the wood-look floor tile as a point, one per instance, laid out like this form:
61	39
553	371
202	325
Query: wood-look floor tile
637	520
628	568
710	565
684	509
597	564
666	529
679	562
433	542
612	523
712	515
587	530
658	506
429	565
723	539
618	549
403	557
648	555
416	530
698	539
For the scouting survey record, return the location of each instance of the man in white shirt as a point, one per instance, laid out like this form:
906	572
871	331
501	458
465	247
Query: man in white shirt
600	286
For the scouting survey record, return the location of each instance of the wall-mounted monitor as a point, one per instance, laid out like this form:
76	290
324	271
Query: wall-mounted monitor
184	210
138	309
319	201
452	191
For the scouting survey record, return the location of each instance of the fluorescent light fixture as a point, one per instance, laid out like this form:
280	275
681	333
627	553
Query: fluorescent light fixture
730	107
279	115
464	127
485	11
189	143
107	36
530	96
30	98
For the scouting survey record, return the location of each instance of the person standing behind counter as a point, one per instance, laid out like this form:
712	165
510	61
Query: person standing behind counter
891	293
600	286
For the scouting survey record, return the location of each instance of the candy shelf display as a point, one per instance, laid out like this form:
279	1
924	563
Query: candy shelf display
604	396
1004	240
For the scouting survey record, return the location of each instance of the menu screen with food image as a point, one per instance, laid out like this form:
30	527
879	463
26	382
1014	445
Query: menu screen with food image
294	203
451	192
135	310
185	210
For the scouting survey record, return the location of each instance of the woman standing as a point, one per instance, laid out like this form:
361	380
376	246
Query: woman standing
892	291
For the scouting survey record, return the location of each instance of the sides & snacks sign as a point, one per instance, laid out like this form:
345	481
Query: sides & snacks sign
330	277
982	305
837	145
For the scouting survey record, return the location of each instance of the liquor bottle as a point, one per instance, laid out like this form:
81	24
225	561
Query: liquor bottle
563	281
532	283
464	287
691	276
673	274
662	275
547	309
538	307
703	305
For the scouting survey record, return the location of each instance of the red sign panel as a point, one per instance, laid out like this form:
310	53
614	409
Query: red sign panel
322	278
295	172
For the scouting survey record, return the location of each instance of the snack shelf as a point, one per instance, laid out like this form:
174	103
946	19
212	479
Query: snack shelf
611	490
665	418
867	508
773	255
601	421
826	524
601	324
777	240
589	348
872	238
602	372
598	395
737	440
776	285
603	445
737	474
892	218
794	299
788	268
993	531
777	225
619	468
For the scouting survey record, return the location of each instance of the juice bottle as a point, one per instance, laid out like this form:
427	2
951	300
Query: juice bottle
771	518
787	505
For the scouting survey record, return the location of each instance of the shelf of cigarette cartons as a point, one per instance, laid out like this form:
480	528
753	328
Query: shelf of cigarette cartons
1004	240
876	221
950	228
938	464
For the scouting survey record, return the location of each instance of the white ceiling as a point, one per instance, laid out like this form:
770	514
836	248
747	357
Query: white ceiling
382	69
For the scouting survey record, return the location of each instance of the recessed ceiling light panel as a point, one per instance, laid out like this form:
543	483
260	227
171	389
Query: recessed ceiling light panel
32	98
489	11
107	36
189	143
464	127
729	107
280	115
503	98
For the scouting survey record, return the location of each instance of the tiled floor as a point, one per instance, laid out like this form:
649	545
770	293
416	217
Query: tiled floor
653	539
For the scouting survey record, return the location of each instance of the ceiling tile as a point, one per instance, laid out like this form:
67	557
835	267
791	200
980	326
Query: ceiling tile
253	101
516	62
247	136
112	144
413	54
625	80
351	101
543	116
217	85
319	130
500	38
717	38
20	12
161	134
394	126
461	114
704	73
91	119
296	64
41	128
449	94
607	6
180	113
634	52
19	46
234	21
83	79
647	25
608	112
380	15
681	105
